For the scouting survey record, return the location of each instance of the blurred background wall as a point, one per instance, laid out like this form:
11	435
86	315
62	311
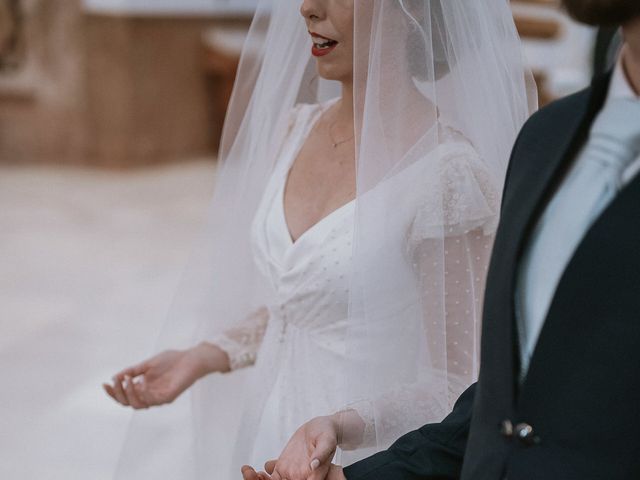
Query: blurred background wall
132	82
559	51
111	83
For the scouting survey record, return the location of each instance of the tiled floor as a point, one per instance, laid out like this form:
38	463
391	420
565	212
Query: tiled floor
88	261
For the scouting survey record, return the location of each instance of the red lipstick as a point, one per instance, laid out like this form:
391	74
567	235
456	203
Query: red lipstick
322	45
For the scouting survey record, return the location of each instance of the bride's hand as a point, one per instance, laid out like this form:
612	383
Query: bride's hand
162	378
309	452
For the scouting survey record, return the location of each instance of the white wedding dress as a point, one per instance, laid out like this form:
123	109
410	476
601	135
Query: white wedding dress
299	339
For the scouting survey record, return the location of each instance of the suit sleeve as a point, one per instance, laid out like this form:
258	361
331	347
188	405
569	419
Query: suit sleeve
433	452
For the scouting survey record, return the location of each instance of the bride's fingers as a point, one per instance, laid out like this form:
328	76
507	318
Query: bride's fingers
118	391
320	472
109	389
141	392
270	466
276	476
133	371
248	473
323	453
132	397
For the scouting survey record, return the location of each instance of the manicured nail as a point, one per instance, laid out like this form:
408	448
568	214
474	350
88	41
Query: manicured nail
315	463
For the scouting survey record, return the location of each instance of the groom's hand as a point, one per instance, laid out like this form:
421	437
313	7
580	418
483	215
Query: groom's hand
335	473
248	473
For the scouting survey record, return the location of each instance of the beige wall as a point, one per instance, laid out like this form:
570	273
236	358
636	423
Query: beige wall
42	102
107	90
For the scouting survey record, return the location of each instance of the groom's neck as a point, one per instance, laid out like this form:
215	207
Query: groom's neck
632	52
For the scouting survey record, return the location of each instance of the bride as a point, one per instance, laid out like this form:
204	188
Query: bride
354	212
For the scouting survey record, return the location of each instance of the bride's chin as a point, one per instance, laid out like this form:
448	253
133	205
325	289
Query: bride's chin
331	72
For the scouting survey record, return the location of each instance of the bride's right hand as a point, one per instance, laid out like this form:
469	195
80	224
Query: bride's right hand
308	454
162	378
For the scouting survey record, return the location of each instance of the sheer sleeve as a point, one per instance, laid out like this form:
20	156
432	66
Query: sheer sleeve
429	400
449	245
241	343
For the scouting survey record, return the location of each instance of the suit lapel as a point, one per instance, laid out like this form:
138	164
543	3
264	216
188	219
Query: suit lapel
551	157
548	158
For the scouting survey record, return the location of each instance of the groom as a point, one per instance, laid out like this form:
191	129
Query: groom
559	389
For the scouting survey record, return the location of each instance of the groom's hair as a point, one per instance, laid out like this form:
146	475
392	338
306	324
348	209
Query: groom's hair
603	12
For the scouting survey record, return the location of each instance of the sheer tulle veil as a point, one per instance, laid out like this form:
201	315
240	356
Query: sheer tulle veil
427	74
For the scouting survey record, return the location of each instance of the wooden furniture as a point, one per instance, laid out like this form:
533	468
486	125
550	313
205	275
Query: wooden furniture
221	55
545	3
11	34
539	29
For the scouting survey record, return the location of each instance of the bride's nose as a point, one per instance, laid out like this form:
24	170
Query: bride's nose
312	10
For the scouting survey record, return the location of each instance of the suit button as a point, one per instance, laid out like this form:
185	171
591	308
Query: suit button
524	432
506	428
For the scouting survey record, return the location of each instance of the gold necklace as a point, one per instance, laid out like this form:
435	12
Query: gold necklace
333	141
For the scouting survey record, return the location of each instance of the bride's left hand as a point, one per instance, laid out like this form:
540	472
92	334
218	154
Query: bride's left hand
309	452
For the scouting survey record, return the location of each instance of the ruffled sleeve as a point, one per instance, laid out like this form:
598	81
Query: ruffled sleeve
457	193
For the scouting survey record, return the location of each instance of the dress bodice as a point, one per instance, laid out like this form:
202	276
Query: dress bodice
309	277
308	280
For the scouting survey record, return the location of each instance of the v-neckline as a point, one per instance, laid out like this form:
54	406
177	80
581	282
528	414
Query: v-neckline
283	187
316	226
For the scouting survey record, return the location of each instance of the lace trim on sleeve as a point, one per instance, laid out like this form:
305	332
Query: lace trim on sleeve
366	411
241	343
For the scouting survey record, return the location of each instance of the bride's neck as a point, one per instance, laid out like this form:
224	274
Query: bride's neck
345	105
414	100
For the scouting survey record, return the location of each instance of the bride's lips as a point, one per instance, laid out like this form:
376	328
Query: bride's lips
322	45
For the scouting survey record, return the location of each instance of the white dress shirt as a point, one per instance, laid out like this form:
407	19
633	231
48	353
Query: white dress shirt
533	299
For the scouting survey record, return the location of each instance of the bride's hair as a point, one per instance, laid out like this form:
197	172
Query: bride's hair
424	47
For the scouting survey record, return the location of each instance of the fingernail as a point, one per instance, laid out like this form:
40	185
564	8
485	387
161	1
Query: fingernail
315	463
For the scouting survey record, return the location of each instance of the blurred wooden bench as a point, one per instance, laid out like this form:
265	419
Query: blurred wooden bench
536	28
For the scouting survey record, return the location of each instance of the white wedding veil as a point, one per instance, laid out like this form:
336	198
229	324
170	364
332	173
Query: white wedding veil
435	163
440	93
